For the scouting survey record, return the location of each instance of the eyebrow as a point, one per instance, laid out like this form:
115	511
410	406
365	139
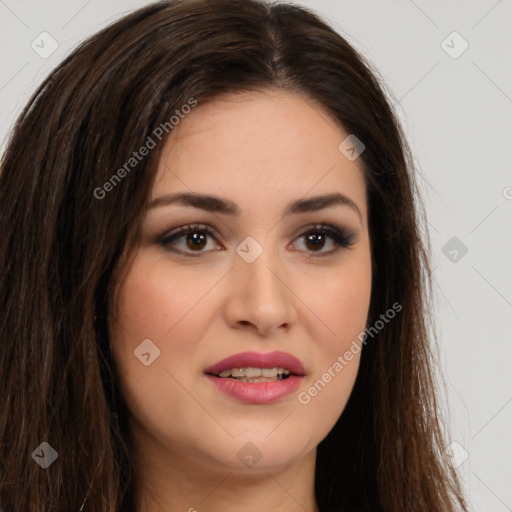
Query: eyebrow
227	207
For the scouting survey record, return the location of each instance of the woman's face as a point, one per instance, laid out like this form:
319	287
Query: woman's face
267	278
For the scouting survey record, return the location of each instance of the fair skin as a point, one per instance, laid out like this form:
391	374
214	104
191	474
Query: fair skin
260	151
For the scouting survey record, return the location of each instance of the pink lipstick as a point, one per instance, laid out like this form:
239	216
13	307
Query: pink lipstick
257	378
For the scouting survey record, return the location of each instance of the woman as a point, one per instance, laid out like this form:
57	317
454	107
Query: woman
213	282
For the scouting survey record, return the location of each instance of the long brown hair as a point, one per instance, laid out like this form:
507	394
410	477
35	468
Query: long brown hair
63	250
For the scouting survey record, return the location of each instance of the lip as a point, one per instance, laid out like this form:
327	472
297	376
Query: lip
258	360
257	392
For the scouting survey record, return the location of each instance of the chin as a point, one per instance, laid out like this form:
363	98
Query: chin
261	453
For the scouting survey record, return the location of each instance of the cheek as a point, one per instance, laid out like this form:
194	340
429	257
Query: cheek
146	300
340	300
341	303
162	306
153	307
327	390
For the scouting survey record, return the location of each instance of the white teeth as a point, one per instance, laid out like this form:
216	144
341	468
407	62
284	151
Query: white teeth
259	379
252	373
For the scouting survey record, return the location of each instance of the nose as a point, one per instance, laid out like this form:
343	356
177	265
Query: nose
260	297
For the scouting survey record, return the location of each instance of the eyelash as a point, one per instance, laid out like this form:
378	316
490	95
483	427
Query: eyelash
335	234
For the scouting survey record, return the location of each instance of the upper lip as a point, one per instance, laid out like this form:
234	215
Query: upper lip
258	360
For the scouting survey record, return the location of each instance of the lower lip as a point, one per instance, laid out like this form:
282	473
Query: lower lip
257	392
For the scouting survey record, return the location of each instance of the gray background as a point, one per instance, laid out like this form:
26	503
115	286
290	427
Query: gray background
457	113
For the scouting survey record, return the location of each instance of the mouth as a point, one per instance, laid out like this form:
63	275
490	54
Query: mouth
252	374
254	365
257	378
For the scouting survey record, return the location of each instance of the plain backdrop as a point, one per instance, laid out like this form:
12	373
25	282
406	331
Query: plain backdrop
448	69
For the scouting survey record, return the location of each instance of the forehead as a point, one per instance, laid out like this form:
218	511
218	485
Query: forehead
257	147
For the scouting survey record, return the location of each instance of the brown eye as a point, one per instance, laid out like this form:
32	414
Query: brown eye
192	240
196	240
315	239
188	239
